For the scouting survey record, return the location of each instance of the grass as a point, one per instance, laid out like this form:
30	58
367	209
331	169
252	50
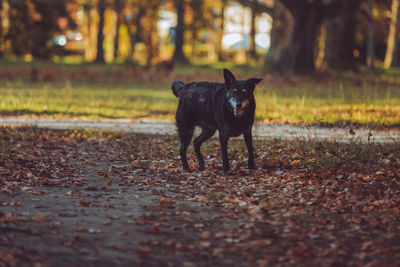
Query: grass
85	101
124	91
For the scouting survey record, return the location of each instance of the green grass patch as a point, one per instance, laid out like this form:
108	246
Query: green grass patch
125	91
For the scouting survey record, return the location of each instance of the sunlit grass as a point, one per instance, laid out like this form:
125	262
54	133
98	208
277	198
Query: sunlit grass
87	102
119	91
329	105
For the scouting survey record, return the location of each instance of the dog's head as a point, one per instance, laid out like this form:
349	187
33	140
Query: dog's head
239	94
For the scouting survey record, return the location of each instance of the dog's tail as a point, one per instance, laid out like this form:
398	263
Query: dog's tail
177	87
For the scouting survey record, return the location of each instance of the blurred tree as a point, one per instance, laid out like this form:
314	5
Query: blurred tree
308	17
118	7
140	19
1	29
340	43
100	33
200	20
281	31
44	25
132	20
370	38
220	30
179	56
20	25
295	55
33	24
391	40
149	30
197	13
395	61
252	49
86	28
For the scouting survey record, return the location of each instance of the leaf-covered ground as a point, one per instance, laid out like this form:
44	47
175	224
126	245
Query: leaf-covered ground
104	199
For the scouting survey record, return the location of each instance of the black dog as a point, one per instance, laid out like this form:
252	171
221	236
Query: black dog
228	107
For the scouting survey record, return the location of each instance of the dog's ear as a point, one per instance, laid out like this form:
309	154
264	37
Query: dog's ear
251	83
229	78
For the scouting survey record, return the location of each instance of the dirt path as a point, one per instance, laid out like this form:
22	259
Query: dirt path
260	130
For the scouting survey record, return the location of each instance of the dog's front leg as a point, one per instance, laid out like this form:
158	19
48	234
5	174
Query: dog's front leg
223	140
249	144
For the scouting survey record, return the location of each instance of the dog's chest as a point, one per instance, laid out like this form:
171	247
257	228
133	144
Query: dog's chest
232	126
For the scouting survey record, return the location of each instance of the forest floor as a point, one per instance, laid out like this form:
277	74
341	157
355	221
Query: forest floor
100	198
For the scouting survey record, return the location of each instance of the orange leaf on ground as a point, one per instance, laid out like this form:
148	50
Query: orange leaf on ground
142	252
156	230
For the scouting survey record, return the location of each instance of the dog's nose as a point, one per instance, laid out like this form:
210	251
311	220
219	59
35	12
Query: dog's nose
239	105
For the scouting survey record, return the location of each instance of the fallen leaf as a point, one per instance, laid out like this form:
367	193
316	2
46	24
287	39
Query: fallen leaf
156	230
143	252
40	218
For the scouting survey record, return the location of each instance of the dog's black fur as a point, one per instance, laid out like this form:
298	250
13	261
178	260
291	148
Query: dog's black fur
227	107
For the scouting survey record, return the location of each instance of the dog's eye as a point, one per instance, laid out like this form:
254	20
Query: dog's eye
244	91
234	90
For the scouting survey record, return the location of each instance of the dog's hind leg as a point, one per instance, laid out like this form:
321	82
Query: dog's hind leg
204	135
185	138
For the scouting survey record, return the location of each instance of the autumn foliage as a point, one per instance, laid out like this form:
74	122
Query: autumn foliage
119	198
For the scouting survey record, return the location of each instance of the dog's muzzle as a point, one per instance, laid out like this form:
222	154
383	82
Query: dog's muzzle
239	108
238	112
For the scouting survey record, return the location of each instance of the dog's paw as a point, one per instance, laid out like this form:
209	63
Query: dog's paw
228	172
252	167
187	169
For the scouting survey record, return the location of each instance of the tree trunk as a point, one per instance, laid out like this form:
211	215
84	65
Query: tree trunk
1	29
134	37
197	8
392	35
194	40
340	44
100	34
294	30
150	37
132	40
252	51
148	40
220	33
88	36
281	32
179	33
298	56
42	31
395	61
118	9
370	38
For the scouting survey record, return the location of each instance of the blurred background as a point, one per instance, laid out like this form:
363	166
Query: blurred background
287	36
325	62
